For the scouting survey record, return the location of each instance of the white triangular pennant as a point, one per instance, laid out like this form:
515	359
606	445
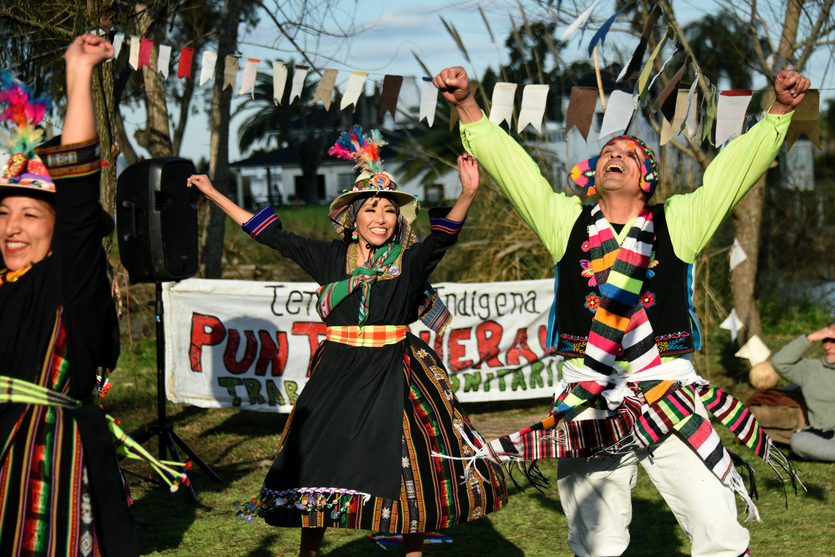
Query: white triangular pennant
737	254
533	107
501	109
117	44
207	66
755	351
353	90
298	82
133	58
619	110
584	17
164	60
732	324
730	116
428	101
248	80
279	81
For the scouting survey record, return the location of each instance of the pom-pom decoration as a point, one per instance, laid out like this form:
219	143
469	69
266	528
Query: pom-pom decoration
581	177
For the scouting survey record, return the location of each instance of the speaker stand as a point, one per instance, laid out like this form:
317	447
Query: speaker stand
168	438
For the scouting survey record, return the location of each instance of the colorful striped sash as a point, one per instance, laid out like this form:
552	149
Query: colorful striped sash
369	336
620	324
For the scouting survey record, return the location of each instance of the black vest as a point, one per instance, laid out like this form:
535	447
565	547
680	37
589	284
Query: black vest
667	293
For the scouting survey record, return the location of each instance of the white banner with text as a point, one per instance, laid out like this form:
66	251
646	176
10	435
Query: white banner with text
244	344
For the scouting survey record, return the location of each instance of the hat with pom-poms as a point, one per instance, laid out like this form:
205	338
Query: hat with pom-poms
365	151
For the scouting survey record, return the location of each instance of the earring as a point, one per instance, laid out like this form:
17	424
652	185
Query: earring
354	235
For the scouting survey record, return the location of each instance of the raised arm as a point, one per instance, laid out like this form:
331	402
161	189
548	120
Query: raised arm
694	217
468	174
237	214
550	215
84	54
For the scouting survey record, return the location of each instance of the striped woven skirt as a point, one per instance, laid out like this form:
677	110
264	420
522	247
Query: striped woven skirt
45	495
434	492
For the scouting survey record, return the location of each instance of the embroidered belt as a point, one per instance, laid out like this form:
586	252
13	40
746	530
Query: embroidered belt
24	392
369	336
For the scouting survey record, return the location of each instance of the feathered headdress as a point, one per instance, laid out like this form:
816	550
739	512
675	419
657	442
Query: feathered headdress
364	150
352	145
23	111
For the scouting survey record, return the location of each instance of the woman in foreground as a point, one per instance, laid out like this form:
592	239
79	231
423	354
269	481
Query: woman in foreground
61	490
358	450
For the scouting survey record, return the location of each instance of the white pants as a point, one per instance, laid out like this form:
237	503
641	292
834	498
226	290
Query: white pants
596	497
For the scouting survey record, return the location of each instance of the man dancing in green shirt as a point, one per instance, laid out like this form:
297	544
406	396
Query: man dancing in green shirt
623	319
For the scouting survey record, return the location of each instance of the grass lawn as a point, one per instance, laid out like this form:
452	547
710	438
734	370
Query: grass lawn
240	446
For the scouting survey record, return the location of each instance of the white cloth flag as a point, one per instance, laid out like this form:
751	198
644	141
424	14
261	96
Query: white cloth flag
207	66
732	324
730	116
428	101
738	254
584	17
755	351
133	59
164	60
502	103
117	44
533	107
618	113
279	81
353	90
298	82
250	71
690	121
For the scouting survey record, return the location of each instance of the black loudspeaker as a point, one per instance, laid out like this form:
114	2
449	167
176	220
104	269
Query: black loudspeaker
156	219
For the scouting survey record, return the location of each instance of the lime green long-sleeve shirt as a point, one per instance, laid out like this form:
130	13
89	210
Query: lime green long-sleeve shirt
692	218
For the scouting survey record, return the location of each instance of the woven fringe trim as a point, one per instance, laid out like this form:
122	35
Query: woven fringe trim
306	499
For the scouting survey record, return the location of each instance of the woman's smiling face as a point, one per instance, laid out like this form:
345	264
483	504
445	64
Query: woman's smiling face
376	221
26	226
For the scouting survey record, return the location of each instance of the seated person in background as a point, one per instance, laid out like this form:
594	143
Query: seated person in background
816	378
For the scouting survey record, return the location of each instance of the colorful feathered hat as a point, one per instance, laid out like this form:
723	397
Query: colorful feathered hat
365	151
581	177
24	111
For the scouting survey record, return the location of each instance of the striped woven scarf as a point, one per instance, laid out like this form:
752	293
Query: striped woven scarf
331	295
618	326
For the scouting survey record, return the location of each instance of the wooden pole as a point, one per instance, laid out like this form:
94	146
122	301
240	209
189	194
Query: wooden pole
599	80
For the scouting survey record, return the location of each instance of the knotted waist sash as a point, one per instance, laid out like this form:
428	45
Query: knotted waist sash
369	336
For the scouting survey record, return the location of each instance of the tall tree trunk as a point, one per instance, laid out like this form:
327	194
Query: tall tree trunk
105	102
219	157
156	137
748	218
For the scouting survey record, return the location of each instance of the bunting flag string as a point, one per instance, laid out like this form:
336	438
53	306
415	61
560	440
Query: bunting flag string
682	110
